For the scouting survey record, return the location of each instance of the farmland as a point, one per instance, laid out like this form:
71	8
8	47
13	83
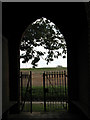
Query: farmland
37	73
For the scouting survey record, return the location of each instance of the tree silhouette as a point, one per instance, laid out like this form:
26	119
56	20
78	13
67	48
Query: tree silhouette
43	33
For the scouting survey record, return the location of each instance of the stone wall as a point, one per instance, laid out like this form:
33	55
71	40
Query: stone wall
5	75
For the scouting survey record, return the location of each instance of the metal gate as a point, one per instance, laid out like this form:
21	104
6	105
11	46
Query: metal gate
55	91
54	95
26	92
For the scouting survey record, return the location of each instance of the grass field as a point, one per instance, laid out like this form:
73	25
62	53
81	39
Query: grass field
53	94
43	69
40	107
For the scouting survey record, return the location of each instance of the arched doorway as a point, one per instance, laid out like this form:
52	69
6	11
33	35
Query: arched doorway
73	26
48	89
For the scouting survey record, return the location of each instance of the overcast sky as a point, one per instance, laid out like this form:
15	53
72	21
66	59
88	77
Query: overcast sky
42	63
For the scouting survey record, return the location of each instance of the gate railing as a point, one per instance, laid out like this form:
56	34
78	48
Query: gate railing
55	86
26	83
54	92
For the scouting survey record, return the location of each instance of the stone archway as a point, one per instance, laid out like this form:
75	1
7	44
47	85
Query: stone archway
73	26
30	38
68	28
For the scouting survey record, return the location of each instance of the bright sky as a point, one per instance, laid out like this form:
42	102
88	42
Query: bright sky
42	63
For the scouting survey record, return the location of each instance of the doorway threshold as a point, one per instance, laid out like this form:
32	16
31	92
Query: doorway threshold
63	115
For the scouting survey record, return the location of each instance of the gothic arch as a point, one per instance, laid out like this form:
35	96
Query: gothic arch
74	27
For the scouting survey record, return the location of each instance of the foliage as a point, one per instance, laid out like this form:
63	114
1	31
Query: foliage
45	34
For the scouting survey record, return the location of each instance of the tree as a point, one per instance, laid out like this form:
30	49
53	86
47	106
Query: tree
43	33
60	66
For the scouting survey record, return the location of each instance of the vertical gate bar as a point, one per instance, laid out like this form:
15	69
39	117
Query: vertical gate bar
46	84
28	91
24	106
55	92
62	88
52	93
49	88
21	88
48	100
24	80
26	94
65	87
29	100
52	89
57	88
44	91
46	79
26	97
31	89
47	93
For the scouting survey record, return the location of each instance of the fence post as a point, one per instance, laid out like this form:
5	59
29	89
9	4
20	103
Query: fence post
44	91
31	89
65	89
21	88
65	81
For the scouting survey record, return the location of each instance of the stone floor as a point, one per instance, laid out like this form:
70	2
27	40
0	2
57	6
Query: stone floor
63	115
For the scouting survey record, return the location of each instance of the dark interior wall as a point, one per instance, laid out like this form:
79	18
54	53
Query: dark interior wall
87	6
5	75
71	19
6	103
14	69
82	60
